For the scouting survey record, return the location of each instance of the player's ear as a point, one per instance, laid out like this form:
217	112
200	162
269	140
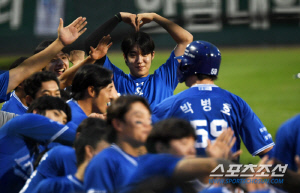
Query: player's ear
125	58
91	91
117	125
21	85
28	99
89	152
35	111
161	148
77	135
152	55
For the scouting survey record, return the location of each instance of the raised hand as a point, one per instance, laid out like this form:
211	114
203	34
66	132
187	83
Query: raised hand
69	34
101	49
221	148
129	18
143	18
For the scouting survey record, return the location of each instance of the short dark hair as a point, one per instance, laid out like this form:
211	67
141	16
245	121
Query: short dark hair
205	76
17	62
92	131
90	75
34	82
50	103
167	130
141	39
43	45
120	107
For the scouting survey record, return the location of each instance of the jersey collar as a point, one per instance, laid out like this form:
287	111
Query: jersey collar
136	79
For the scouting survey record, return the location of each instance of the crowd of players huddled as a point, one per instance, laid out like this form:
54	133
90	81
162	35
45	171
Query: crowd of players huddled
92	128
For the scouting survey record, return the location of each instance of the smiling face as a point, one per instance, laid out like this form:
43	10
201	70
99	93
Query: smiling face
137	124
48	88
103	98
138	63
58	64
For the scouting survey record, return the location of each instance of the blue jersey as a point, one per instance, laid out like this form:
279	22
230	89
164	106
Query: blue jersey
18	141
151	166
67	184
221	189
4	79
14	105
211	110
77	113
108	170
155	87
59	161
288	142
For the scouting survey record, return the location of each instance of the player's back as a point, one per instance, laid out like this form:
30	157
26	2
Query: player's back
108	170
66	184
59	161
211	110
152	169
288	138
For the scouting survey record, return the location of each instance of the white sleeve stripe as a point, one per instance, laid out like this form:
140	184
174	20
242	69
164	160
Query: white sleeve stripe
96	191
59	133
262	149
131	160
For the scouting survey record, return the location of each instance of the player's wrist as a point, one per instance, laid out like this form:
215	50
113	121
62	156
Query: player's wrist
118	16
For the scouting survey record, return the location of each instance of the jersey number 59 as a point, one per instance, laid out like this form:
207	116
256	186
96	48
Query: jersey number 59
202	130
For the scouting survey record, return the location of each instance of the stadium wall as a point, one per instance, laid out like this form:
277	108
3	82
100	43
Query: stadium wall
23	24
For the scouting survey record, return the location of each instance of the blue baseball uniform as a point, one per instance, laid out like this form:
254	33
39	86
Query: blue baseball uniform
4	79
211	110
18	145
288	142
108	170
14	105
59	161
151	166
221	189
77	113
155	87
67	184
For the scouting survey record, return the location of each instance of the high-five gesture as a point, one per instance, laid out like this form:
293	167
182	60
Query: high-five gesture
66	36
69	34
101	49
221	148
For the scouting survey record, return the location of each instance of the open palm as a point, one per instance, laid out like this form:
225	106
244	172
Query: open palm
101	49
69	34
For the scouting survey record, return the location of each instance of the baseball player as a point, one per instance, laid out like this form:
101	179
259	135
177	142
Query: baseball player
130	117
48	121
92	90
209	108
58	161
138	52
9	80
91	140
287	142
17	101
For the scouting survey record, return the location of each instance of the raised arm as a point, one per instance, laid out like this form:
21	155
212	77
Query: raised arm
106	28
95	54
66	36
181	36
